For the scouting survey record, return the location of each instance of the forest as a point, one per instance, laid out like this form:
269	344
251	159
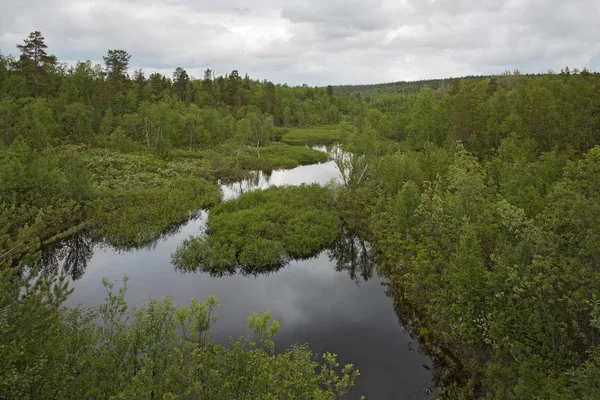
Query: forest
479	196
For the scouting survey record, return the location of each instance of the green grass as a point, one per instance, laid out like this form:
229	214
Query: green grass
227	166
113	170
139	196
281	156
326	134
133	217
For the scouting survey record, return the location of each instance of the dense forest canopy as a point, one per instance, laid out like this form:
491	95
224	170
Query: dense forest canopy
408	87
401	87
479	196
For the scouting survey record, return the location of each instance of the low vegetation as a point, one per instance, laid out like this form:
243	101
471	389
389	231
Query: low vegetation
312	136
262	230
138	196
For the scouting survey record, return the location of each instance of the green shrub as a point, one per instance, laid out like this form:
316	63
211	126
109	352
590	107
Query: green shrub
159	351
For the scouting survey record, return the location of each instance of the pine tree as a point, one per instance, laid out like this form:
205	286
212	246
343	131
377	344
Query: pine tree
117	63
34	60
181	80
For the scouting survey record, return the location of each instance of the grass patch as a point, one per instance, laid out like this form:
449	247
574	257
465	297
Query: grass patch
281	156
263	229
112	170
326	134
227	165
140	196
133	217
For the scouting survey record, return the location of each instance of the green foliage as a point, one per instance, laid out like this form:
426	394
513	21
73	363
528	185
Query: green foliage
134	217
130	199
158	351
338	383
30	305
142	196
77	122
401	87
509	295
261	230
36	123
423	127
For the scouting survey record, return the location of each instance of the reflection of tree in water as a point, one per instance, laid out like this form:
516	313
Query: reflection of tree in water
244	270
446	368
266	174
349	252
352	254
255	180
73	253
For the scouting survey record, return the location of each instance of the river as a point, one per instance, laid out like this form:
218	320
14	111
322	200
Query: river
316	301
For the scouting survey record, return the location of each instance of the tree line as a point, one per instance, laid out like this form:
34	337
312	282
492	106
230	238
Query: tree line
83	103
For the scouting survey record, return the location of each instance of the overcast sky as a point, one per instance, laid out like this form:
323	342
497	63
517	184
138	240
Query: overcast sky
317	42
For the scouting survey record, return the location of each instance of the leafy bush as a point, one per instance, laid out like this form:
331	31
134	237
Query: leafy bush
158	351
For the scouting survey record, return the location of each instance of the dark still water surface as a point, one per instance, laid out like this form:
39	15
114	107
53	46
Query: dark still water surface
315	302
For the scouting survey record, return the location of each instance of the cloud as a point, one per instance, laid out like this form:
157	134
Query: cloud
314	41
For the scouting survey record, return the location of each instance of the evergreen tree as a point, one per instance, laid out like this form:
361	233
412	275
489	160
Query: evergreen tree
180	83
34	62
234	89
117	63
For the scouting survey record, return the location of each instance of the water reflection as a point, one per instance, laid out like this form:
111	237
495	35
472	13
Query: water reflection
446	369
314	300
315	173
255	180
73	254
349	253
321	147
352	254
220	271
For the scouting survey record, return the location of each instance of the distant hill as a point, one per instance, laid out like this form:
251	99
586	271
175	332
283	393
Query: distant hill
401	87
411	87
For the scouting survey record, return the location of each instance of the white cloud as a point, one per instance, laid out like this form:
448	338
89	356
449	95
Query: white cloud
314	41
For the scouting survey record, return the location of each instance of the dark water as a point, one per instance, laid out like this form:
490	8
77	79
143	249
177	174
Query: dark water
322	301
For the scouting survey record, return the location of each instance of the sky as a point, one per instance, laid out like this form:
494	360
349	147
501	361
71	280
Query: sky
316	42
